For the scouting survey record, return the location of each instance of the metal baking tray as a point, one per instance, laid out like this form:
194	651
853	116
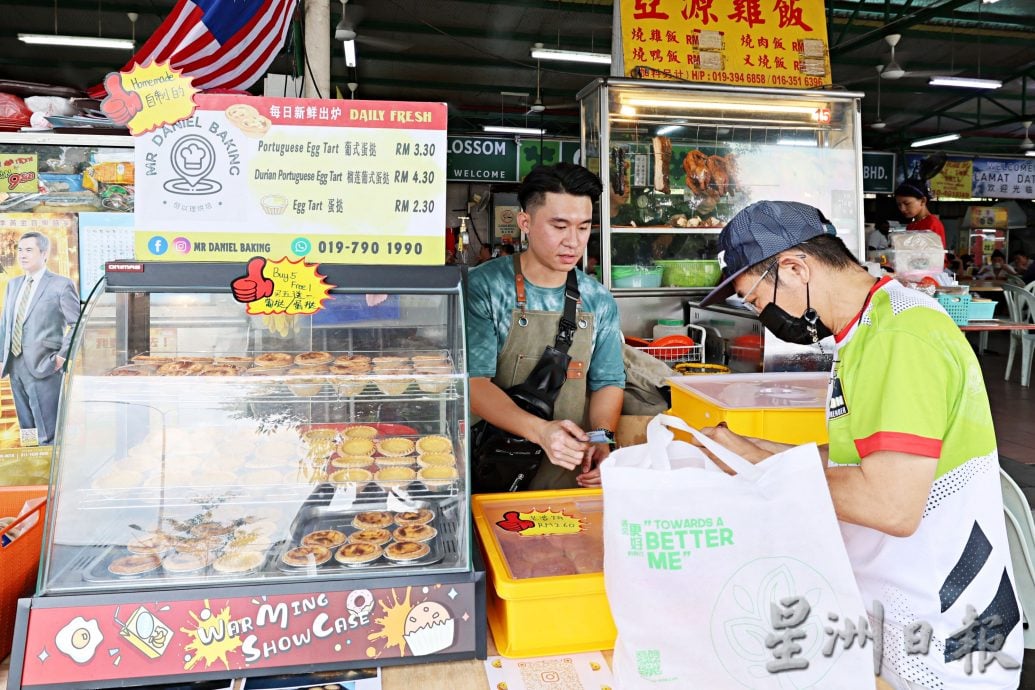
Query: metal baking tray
97	571
311	519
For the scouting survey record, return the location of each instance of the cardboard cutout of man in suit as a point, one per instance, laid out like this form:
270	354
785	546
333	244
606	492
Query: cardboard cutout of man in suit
40	309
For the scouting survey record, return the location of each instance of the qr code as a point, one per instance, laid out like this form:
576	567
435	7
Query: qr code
550	674
648	663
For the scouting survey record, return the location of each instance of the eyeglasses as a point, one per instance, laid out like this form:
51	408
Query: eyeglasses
758	282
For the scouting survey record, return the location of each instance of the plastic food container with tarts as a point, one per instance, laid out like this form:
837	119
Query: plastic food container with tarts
544	552
782	407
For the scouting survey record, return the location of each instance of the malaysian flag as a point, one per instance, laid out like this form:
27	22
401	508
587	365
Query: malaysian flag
225	44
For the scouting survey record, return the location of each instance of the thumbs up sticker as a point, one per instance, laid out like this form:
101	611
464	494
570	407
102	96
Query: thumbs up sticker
148	97
281	287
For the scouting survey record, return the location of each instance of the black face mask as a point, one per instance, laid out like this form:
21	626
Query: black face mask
806	329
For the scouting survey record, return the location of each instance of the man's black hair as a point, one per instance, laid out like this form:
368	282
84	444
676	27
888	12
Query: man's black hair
562	178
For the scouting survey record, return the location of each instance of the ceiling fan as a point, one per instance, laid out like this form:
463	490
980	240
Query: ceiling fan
879	123
346	30
1027	144
537	106
893	70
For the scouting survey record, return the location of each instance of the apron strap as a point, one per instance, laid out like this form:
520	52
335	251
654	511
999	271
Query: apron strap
572	299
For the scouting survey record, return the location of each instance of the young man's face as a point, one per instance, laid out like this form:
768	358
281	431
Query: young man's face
558	230
30	258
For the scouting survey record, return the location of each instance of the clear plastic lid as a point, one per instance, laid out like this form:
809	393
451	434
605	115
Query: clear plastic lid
799	390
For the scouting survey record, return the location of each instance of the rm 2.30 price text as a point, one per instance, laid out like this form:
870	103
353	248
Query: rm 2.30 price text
361	247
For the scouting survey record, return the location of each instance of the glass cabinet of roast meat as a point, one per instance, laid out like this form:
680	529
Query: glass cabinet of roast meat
679	160
298	481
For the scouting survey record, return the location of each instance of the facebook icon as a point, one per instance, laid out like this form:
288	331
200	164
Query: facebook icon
157	245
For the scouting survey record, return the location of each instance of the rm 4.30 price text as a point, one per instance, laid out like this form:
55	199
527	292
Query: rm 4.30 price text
361	247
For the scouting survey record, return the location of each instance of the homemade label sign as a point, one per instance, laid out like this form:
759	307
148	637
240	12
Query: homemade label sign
343	181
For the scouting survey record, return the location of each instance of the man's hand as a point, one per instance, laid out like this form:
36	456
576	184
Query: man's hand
594	455
564	442
740	445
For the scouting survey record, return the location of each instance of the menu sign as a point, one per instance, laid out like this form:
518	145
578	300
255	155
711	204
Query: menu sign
338	181
771	43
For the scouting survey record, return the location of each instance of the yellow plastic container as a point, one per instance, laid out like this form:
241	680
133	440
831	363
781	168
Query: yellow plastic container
545	593
782	407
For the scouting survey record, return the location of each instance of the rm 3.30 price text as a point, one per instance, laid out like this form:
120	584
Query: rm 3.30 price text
359	247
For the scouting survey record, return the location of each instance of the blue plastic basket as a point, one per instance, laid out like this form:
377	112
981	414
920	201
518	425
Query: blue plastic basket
982	311
957	306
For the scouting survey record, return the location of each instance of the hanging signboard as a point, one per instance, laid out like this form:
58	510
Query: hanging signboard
738	42
996	178
878	172
360	182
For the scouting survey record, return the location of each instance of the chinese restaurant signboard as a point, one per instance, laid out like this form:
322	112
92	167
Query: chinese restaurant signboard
765	43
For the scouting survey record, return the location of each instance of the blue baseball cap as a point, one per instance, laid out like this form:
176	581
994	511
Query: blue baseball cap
760	232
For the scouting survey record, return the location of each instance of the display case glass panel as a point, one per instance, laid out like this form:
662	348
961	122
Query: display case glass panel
203	445
680	160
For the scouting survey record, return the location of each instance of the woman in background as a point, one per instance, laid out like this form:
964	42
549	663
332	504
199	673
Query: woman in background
912	197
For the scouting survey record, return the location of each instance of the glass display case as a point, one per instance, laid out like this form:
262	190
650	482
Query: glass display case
319	461
679	160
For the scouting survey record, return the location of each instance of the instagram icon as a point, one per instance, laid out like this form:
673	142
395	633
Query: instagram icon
181	245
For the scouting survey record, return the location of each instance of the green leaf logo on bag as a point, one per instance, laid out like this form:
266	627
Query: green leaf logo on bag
666	544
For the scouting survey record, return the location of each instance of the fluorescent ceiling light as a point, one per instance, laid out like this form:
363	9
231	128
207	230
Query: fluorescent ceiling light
1030	153
350	53
966	82
540	53
668	129
627	110
79	41
809	110
513	130
940	139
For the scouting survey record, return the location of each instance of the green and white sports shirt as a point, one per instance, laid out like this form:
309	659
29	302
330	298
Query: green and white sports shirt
905	379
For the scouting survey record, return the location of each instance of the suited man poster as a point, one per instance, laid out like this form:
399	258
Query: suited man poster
39	313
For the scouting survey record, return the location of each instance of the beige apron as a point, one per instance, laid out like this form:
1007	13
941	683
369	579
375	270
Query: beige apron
530	332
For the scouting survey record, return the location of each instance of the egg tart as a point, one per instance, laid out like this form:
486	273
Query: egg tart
436	460
325	537
415	517
357	552
137	564
415	533
373	519
309	359
388	477
437	476
356	446
434	444
238	561
351	475
406	551
279	360
301	556
376	536
395	446
360	431
349	461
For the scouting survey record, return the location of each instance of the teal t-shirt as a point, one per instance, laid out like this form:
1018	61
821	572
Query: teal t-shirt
491	298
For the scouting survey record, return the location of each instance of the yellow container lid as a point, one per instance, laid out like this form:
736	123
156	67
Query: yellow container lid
794	390
542	544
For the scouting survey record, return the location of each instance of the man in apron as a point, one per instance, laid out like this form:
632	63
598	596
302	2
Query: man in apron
514	305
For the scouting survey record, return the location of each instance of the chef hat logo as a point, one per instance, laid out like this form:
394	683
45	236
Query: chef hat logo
192	157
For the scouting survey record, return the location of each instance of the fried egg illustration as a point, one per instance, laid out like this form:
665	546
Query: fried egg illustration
79	639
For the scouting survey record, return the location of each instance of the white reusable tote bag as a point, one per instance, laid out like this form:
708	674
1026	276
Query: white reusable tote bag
707	573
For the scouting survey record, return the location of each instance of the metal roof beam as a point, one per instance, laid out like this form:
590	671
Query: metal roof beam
896	26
